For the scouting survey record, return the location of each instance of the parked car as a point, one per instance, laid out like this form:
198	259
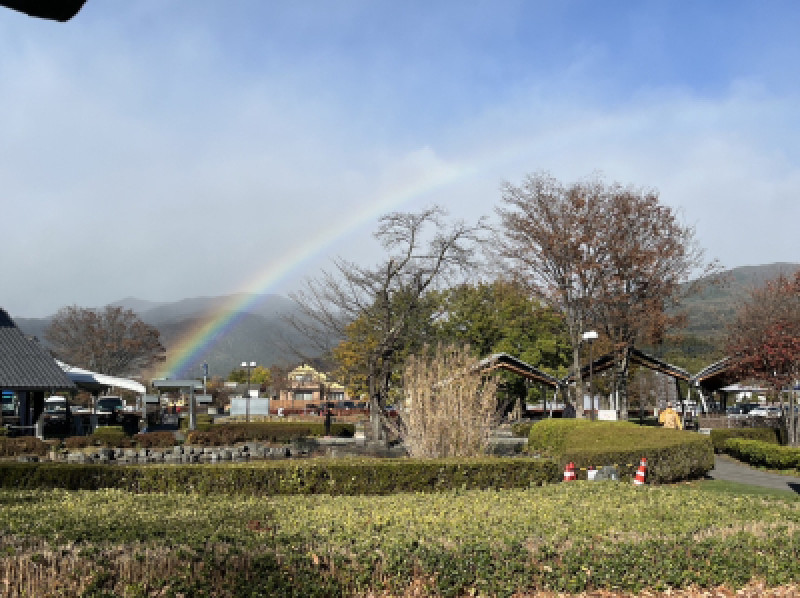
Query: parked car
109	410
767	411
57	413
741	409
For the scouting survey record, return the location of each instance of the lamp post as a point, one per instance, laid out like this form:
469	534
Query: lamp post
248	365
589	336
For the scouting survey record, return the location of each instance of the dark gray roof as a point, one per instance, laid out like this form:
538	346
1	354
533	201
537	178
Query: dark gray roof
607	361
25	364
504	361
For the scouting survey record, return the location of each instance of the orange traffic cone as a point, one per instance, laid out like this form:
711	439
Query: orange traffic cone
569	472
640	473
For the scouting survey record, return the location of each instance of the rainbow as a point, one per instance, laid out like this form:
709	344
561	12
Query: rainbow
183	357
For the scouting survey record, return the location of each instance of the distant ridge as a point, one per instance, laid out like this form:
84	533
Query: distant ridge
711	311
261	333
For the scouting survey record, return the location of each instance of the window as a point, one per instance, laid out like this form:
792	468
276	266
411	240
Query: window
336	396
303	395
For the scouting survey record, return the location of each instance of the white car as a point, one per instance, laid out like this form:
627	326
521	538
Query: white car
768	411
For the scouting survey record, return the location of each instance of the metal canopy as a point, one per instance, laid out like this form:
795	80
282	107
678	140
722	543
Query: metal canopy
178	384
92	381
504	361
607	361
715	376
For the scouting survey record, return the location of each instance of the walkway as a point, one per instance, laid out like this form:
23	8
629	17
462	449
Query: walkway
730	470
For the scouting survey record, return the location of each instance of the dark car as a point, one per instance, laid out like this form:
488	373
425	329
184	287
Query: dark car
57	414
108	410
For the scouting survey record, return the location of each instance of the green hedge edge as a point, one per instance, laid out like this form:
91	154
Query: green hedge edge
317	476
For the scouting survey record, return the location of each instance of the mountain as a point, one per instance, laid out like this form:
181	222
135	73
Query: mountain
711	310
253	328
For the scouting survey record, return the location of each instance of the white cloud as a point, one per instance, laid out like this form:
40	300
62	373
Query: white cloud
172	163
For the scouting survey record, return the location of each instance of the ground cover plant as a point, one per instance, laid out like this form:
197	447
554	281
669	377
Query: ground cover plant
561	537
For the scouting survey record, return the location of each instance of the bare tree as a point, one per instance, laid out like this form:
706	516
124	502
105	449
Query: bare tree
607	256
649	257
111	340
387	300
550	232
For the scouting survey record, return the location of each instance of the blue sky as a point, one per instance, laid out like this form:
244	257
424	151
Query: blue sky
166	149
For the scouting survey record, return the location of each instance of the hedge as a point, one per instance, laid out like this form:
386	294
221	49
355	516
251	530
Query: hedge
275	432
672	455
720	436
314	476
24	445
765	454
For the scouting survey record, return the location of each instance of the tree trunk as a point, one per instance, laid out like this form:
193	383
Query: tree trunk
622	383
576	364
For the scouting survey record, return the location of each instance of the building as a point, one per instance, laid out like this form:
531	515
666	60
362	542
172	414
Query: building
28	373
310	390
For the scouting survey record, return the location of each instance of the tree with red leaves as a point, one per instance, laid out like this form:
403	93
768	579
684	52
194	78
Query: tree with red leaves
764	339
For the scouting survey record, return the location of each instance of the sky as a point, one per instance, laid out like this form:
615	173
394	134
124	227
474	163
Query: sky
167	149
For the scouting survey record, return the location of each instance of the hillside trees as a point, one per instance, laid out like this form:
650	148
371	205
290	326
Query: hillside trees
764	339
111	340
383	307
606	256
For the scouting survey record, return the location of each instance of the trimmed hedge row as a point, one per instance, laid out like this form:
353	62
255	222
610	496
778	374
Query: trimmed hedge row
764	454
275	432
317	476
115	437
24	445
672	455
719	436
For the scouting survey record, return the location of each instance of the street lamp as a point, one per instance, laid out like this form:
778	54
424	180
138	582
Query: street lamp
589	336
248	365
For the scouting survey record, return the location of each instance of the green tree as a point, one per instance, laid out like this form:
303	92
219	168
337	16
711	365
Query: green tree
502	317
238	375
261	376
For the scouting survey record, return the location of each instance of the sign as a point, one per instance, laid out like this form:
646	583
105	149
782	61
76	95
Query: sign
202	398
607	415
152	399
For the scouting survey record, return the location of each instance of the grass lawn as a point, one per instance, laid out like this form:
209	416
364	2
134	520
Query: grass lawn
564	537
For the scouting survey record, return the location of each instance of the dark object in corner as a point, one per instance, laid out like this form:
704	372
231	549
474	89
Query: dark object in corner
58	10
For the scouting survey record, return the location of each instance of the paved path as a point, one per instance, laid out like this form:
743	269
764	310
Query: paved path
730	470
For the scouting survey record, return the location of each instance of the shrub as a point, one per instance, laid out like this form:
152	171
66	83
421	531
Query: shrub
549	437
721	435
164	439
110	436
521	429
315	476
451	405
203	422
671	455
766	454
23	445
273	432
77	442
